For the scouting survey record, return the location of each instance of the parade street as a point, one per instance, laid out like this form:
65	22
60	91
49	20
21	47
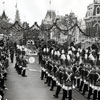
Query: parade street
30	87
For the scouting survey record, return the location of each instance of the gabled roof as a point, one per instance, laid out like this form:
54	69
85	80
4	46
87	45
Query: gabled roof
3	15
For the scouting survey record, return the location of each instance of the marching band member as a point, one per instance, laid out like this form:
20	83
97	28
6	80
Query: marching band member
86	78
91	82
63	57
46	70
49	68
73	71
82	78
40	56
55	55
68	78
12	55
76	71
24	66
43	65
55	69
52	53
58	55
59	81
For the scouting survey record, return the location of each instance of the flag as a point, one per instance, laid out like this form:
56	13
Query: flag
3	2
50	2
16	5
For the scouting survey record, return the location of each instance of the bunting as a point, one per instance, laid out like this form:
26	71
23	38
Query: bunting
46	29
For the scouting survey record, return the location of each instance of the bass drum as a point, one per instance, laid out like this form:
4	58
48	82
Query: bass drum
31	60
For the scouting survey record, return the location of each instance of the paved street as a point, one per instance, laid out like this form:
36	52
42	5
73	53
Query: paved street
30	87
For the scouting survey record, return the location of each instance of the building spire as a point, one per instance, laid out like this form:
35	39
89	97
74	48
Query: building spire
17	16
4	17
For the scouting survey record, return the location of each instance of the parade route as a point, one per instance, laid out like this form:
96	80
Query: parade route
30	87
50	50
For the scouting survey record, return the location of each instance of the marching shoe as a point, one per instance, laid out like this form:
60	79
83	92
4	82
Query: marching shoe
51	89
24	75
55	96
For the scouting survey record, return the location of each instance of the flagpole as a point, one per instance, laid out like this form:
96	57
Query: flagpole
3	4
16	4
50	4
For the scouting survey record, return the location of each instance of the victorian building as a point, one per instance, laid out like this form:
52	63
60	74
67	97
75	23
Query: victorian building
50	17
4	23
47	22
92	19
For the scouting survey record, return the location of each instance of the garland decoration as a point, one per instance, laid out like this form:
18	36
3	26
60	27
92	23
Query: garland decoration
20	28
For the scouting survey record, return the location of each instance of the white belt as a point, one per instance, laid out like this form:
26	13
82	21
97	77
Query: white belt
66	87
86	82
24	68
47	72
53	78
44	69
58	83
20	66
96	88
49	75
77	77
80	79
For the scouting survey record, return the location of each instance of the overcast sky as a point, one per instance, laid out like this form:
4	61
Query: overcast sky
35	10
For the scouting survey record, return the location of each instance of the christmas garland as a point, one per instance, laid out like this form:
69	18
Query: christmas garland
46	29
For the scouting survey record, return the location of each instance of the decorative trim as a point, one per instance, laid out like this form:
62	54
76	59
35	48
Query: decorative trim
97	23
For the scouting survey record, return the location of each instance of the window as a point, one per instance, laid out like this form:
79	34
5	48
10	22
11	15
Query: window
98	10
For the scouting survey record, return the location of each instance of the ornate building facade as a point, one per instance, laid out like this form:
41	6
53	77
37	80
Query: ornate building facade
17	17
62	22
92	19
47	22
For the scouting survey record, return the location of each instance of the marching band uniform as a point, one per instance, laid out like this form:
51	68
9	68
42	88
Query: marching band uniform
18	64
76	71
24	65
55	69
40	56
79	74
59	81
63	58
60	75
68	84
49	73
46	71
91	78
86	80
20	68
12	55
96	88
82	71
82	78
43	62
